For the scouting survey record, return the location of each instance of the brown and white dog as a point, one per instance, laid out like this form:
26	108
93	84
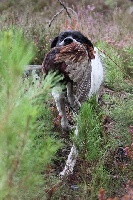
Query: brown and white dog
73	55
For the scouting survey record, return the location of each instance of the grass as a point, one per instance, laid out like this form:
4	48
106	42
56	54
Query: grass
103	129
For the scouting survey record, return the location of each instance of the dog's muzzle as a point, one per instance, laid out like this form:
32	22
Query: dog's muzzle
68	41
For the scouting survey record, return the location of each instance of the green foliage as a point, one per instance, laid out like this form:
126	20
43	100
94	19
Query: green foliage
34	28
118	67
128	60
6	5
124	111
38	33
89	139
114	67
92	148
27	142
123	115
41	36
23	155
110	3
12	63
100	179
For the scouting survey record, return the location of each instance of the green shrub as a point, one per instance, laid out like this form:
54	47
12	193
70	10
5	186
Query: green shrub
114	67
90	133
23	154
128	60
123	115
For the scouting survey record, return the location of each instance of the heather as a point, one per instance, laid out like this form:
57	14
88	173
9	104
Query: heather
32	148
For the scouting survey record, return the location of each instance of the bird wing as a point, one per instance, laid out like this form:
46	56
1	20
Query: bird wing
73	61
74	52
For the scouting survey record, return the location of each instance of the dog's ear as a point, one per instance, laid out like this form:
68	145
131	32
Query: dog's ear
54	42
91	52
90	48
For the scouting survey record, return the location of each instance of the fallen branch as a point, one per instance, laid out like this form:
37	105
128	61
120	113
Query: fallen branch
33	67
62	4
71	160
55	17
64	8
108	57
53	189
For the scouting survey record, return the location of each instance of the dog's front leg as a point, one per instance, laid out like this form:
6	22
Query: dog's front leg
60	104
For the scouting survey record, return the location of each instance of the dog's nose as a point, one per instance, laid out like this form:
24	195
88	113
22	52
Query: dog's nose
68	41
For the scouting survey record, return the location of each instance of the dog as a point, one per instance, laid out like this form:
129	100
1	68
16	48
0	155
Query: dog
87	75
82	78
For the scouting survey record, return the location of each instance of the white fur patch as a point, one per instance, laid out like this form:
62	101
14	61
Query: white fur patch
97	74
62	43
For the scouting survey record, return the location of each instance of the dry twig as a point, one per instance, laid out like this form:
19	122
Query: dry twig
108	57
64	8
55	16
62	4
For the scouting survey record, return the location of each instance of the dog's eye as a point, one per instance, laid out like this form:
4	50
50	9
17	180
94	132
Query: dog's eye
76	38
63	36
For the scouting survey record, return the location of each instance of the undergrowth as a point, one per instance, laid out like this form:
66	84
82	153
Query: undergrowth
26	144
92	148
29	140
116	67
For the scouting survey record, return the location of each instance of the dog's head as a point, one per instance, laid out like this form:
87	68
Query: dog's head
67	37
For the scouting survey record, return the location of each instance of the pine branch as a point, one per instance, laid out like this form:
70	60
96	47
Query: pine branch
16	161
